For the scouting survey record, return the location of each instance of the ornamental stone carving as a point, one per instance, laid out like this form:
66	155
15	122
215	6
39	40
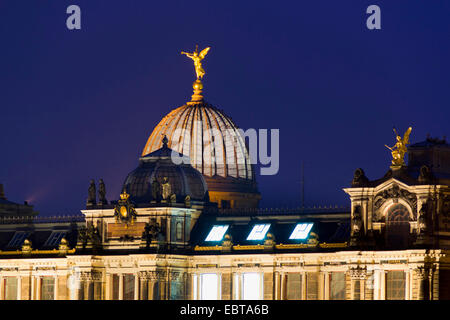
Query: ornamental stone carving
395	192
359	178
358	273
90	276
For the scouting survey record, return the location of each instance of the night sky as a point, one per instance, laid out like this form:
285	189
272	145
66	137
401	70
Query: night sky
80	105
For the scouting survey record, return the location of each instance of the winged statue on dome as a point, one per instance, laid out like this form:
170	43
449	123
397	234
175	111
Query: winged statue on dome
197	58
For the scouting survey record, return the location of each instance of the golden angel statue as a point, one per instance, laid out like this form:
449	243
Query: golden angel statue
399	149
198	57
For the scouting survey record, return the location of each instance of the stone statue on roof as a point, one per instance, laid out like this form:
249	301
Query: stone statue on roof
92	199
102	192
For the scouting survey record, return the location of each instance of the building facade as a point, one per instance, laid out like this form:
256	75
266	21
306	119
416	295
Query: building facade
192	230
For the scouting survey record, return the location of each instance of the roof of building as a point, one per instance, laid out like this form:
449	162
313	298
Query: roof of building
211	140
158	168
313	226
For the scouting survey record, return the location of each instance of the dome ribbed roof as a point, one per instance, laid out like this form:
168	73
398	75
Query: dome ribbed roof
190	130
183	178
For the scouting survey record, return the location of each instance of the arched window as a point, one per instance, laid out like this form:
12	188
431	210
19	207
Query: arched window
397	226
179	231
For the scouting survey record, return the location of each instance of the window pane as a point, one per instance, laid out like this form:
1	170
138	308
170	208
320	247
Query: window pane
251	286
312	286
395	285
97	290
11	288
294	286
258	232
209	286
357	290
48	288
128	287
337	286
81	290
115	287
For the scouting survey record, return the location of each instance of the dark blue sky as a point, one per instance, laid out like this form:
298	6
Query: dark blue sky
77	105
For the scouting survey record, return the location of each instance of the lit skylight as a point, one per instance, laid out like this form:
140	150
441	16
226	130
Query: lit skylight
217	233
301	231
258	232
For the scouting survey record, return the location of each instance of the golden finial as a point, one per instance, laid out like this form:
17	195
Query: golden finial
399	150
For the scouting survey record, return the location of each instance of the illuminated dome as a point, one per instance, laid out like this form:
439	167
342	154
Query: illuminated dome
157	166
215	147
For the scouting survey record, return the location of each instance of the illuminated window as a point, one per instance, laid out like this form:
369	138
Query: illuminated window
18	239
337	286
116	283
312	286
301	231
11	288
209	286
179	231
357	290
258	232
55	238
251	286
217	233
395	285
294	286
48	288
128	287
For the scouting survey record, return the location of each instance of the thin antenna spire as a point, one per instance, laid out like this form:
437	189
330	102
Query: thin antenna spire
302	184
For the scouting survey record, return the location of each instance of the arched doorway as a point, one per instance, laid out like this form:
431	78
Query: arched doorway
397	226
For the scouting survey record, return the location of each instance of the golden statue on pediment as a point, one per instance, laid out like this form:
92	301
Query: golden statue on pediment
399	150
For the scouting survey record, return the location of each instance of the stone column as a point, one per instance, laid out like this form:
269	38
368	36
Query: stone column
407	286
422	283
19	287
143	285
136	286
326	286
369	286
376	285
108	287
189	287
226	286
283	290
383	285
2	288
33	285
37	288
56	290
150	286
277	286
120	286
268	286
240	287
25	293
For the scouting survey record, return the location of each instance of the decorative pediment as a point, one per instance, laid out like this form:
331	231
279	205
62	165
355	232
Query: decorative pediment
394	193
